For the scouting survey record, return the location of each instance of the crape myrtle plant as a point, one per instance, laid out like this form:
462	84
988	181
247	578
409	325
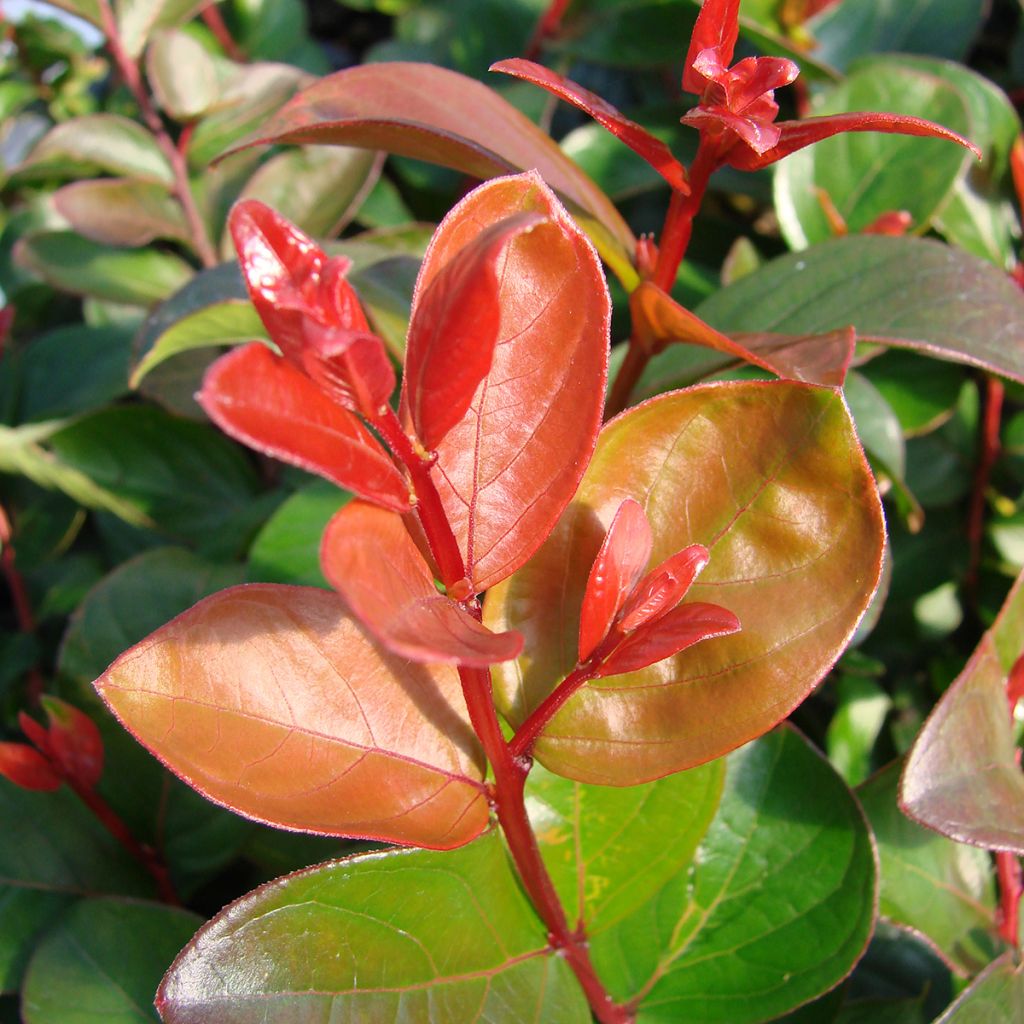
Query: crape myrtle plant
565	608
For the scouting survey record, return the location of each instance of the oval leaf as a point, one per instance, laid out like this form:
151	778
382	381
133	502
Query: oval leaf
182	95
509	467
769	477
272	700
995	997
122	212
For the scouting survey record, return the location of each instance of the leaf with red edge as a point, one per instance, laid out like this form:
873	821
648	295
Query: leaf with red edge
261	400
670	634
962	777
368	555
454	327
641	141
616	571
717	28
446	118
273	701
350	366
26	767
507	470
75	741
663	587
770	478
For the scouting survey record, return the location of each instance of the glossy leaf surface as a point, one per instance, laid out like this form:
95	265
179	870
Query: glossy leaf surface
260	399
407	935
770	478
941	889
271	700
996	996
101	964
906	292
962	778
443	117
509	467
776	909
369	557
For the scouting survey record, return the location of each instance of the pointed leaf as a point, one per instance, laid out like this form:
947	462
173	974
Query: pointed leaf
455	324
122	212
769	477
26	767
261	400
407	935
663	587
75	742
962	776
616	571
996	996
438	115
352	367
641	141
370	559
271	700
717	29
506	471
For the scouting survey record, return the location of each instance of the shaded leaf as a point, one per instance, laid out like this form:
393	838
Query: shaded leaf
506	471
410	939
27	913
996	996
770	478
122	212
962	777
364	745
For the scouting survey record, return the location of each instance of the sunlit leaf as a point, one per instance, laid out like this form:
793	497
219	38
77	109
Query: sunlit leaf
996	996
271	700
122	212
770	478
181	74
136	19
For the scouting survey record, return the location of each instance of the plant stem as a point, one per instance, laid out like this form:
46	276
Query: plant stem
548	24
19	598
215	23
129	71
526	735
988	452
1010	888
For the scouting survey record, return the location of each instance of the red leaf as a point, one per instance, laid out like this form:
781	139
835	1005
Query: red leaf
264	402
369	557
454	326
717	28
671	633
27	768
617	569
510	466
75	741
350	366
37	733
799	134
641	141
663	588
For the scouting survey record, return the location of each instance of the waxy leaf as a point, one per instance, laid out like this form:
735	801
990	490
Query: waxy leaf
369	557
262	400
962	777
454	327
272	700
941	889
776	909
996	996
444	117
122	212
512	463
405	935
907	292
769	477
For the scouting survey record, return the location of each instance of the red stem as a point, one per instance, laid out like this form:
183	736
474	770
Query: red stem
988	452
19	598
129	71
1010	888
215	23
548	25
526	735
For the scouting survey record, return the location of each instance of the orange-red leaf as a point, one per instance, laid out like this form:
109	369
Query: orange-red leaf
264	402
369	557
349	366
26	767
507	469
74	741
273	701
663	587
616	570
454	327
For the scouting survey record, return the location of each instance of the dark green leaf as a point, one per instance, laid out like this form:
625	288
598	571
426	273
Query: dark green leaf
921	391
26	914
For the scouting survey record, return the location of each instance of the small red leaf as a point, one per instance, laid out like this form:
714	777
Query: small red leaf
617	569
264	402
717	29
641	141
75	741
671	633
350	366
37	733
27	768
453	329
369	557
663	587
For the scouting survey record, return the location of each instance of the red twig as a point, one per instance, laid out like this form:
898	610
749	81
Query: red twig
19	598
215	23
1008	870
548	25
988	452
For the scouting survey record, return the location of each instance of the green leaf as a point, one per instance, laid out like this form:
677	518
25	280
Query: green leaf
962	778
921	391
769	477
919	174
287	549
995	997
942	890
26	913
102	963
906	292
122	212
70	263
99	142
776	909
136	20
387	937
861	712
182	75
593	837
385	290
878	428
